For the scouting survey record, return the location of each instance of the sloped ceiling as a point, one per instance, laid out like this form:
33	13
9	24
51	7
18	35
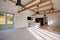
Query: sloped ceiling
23	1
8	6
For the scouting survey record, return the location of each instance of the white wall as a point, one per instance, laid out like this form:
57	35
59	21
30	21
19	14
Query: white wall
20	19
54	19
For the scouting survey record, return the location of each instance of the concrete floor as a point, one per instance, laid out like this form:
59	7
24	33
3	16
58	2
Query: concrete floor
42	34
30	33
54	29
17	34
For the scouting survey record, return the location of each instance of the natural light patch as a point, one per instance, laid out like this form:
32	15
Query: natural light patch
35	35
50	22
41	34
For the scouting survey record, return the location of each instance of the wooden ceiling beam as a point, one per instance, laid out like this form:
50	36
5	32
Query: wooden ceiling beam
41	10
32	10
43	6
29	3
26	8
12	1
46	13
24	4
53	12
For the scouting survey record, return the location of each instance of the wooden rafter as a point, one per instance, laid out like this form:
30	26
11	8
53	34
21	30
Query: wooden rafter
24	4
12	1
46	13
42	1
51	3
43	6
55	11
32	6
52	7
49	12
29	2
32	10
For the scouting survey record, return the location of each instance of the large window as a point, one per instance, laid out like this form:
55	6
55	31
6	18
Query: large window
9	19
2	18
6	20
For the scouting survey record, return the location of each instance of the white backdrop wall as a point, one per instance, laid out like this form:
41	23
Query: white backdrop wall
54	19
20	19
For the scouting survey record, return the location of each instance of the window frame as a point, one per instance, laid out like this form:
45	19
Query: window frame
6	22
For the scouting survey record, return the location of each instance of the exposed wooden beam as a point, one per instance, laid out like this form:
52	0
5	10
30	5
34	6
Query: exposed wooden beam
32	6
33	14
51	3
43	6
46	13
12	1
38	14
32	10
29	3
24	4
33	1
55	11
41	10
52	12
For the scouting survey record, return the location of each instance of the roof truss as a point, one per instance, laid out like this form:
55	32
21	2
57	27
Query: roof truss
26	8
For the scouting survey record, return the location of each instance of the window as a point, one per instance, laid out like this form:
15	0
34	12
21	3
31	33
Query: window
9	19
6	20
2	18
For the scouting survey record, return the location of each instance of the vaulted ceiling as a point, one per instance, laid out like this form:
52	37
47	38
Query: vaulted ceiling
32	4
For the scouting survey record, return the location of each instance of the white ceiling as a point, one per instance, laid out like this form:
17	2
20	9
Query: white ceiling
11	7
23	1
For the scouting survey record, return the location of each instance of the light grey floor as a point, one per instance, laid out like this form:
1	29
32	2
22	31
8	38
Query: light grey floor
17	34
41	34
30	33
52	29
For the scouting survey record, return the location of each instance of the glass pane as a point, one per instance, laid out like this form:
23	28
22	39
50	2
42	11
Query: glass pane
9	19
2	18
